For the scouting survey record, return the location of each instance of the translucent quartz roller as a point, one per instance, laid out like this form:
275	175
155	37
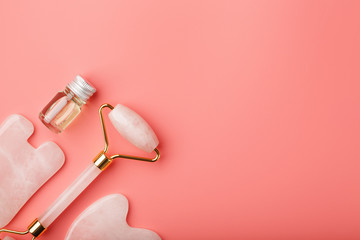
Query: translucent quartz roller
133	128
69	195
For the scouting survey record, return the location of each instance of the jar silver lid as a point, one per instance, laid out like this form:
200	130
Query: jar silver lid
81	88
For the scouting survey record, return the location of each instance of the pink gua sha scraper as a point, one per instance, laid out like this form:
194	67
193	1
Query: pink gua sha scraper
23	169
133	128
8	238
106	220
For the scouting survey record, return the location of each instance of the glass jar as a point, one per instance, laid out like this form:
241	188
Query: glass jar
66	105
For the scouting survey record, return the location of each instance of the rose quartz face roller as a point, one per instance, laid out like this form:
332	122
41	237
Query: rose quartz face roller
133	128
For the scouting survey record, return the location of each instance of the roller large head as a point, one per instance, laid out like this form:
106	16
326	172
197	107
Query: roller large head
133	128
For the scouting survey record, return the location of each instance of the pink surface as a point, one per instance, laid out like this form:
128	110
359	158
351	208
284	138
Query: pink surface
255	103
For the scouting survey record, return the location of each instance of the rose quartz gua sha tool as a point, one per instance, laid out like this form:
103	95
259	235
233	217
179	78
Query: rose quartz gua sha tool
133	128
8	238
106	219
23	169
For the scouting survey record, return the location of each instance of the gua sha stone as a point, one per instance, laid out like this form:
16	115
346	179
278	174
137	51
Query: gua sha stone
106	220
23	169
8	238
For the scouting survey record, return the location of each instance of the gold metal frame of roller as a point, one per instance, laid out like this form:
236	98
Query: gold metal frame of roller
101	161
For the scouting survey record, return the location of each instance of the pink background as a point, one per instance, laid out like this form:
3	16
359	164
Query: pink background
256	105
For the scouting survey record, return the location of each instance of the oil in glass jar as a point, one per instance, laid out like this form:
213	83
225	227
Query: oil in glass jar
66	105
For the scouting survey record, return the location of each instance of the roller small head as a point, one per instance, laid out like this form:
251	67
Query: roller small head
133	128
